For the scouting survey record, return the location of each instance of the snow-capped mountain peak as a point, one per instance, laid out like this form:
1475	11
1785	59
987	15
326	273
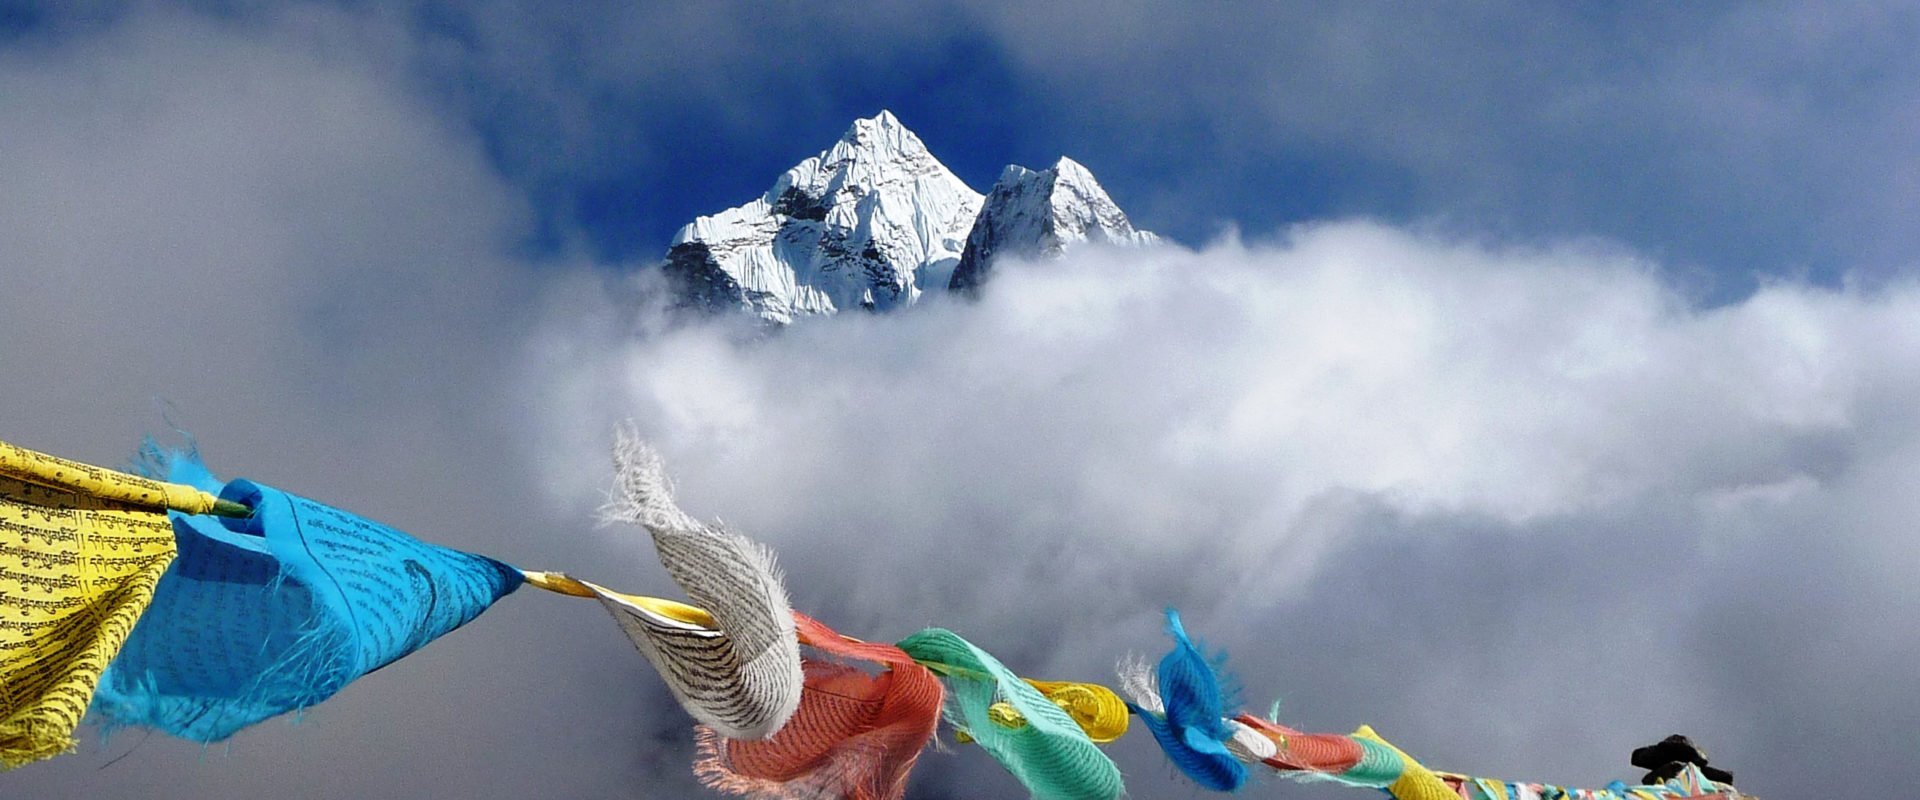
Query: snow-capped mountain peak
1040	213
874	222
871	222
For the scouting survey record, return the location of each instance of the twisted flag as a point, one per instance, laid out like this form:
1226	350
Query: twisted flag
1184	706
1095	708
739	674
1030	735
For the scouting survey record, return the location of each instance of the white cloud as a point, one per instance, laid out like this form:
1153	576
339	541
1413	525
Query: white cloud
1286	436
1353	357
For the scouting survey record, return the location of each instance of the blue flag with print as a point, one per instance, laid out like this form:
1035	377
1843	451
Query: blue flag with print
278	611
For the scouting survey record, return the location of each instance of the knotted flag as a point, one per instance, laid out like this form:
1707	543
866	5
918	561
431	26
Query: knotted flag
279	610
1095	708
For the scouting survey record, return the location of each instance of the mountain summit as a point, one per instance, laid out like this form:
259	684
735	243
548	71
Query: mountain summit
1039	214
870	223
875	222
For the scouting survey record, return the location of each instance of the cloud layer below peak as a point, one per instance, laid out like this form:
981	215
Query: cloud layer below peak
1380	441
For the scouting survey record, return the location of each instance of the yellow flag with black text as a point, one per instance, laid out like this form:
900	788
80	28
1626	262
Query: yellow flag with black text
81	549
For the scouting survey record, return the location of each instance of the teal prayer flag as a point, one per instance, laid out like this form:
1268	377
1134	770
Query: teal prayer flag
1044	748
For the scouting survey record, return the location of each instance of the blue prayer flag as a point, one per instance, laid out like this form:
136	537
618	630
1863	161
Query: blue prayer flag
278	611
1190	721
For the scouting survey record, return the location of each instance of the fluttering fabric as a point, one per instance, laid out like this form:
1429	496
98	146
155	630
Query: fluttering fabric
856	734
1248	744
1099	712
1031	736
1095	708
1364	759
81	549
741	676
278	611
257	602
1690	784
1415	781
1310	754
1184	707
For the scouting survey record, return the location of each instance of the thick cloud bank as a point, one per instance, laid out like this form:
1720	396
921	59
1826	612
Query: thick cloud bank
1524	509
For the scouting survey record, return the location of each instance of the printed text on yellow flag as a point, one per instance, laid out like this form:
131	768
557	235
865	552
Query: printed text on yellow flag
81	549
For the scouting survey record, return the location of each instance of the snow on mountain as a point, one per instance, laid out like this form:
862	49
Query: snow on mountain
1039	214
870	223
876	221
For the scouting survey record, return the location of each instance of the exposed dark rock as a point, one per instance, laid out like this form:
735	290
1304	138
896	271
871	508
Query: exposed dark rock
697	281
1012	195
799	205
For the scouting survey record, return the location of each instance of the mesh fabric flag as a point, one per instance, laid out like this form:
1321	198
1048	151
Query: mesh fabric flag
80	551
1095	708
1185	709
1313	753
856	734
1030	735
740	675
1414	781
278	611
1249	744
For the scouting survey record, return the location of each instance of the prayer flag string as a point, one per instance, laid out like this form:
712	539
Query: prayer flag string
199	607
1184	704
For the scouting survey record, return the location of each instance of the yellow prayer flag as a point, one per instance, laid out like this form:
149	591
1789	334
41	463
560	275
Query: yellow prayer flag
1095	708
1416	782
81	550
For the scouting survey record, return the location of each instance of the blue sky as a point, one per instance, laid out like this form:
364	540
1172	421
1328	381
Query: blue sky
1714	137
1727	140
1550	337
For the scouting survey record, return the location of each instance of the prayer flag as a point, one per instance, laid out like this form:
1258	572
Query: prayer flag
856	734
1031	736
1095	708
1184	706
81	548
280	610
739	674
